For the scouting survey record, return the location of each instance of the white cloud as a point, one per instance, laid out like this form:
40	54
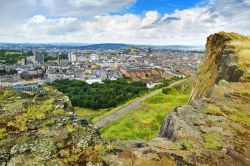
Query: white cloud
190	26
247	2
84	8
150	18
37	19
43	28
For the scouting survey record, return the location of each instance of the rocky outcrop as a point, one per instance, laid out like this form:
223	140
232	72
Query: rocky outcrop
215	126
181	123
42	129
220	63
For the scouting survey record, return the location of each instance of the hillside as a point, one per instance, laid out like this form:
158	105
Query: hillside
214	127
149	113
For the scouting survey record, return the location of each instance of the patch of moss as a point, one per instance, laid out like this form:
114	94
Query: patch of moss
3	133
34	113
212	110
184	144
19	122
47	106
58	111
242	117
51	90
212	140
70	128
22	139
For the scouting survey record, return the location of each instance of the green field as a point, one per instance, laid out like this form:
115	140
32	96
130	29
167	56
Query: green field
12	53
12	57
145	122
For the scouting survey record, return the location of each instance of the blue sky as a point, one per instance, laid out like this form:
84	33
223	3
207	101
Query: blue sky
150	22
162	6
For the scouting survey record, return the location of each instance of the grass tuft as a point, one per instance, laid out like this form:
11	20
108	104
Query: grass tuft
212	110
212	140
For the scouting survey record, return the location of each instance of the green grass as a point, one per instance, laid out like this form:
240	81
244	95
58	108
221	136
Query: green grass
88	113
113	110
212	110
12	53
212	140
145	122
184	144
242	117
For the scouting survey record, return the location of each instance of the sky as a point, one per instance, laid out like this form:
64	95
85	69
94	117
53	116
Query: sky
150	22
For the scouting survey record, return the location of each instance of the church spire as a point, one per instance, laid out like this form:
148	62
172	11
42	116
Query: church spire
149	49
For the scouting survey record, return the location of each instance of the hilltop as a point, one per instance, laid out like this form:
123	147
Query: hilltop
213	128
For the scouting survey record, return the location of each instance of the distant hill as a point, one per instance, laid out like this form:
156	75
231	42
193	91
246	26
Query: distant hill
106	46
102	46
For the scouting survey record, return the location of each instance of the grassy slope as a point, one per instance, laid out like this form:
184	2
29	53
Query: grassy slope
145	122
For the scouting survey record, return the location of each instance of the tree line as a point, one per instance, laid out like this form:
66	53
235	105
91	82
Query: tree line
110	93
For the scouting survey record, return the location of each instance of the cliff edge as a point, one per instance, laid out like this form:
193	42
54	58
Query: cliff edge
214	128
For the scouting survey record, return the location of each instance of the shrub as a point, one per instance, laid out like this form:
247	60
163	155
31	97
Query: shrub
166	90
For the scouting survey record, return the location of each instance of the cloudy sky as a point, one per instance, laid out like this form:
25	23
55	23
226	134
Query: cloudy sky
154	22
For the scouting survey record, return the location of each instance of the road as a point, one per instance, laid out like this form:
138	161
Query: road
106	120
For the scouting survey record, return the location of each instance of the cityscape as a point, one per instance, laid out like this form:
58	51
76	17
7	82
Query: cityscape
150	65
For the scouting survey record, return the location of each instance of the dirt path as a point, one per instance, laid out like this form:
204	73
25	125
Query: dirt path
106	120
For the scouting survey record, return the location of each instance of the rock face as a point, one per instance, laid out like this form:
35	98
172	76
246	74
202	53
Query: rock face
216	123
42	129
220	63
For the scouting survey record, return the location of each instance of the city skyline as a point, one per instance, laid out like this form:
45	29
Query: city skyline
148	22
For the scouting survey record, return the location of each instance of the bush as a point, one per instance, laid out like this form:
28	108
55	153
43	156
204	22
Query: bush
166	90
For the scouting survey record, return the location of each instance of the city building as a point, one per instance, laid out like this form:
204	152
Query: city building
72	57
39	58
